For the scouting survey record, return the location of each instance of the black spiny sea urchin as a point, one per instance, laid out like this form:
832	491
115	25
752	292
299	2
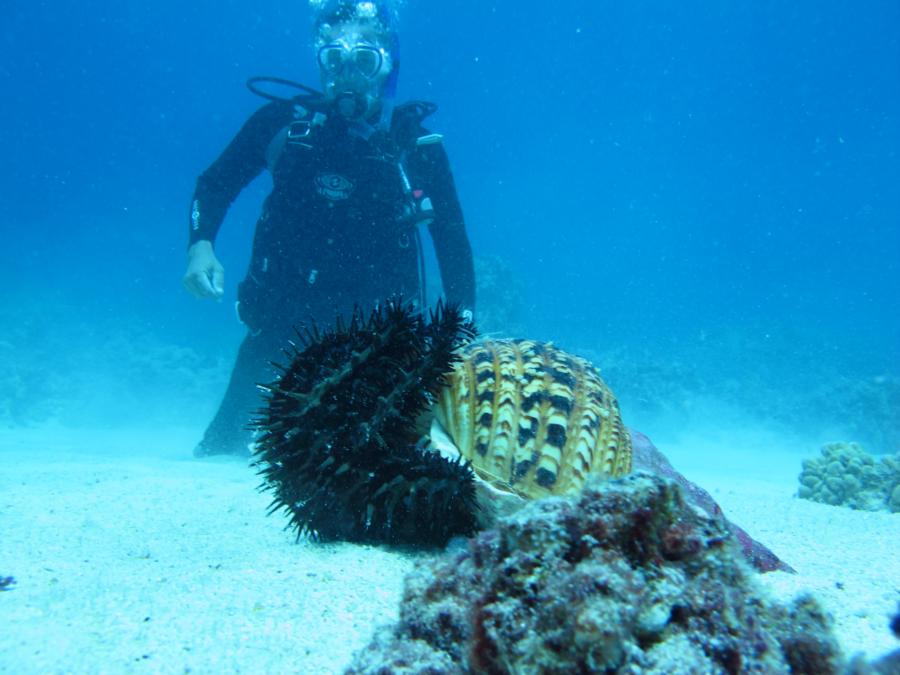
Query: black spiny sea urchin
339	445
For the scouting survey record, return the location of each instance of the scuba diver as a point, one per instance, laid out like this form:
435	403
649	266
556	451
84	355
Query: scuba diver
351	186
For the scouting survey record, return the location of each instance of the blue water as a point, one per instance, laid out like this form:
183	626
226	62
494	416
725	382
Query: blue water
706	194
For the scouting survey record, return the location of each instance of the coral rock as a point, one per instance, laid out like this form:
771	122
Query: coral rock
623	578
846	475
648	458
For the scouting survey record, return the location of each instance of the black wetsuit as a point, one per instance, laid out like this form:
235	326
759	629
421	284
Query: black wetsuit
334	232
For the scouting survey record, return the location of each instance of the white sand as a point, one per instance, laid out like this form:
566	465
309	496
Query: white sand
131	557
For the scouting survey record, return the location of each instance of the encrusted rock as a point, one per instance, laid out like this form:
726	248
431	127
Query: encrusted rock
623	578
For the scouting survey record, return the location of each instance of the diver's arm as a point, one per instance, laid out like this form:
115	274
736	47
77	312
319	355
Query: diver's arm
240	162
217	188
448	230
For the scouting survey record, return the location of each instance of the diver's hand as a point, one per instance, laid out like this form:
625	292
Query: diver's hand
205	276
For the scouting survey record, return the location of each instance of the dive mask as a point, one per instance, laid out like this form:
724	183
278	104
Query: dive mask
354	72
365	59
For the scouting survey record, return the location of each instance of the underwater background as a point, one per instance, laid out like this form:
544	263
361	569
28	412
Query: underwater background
703	198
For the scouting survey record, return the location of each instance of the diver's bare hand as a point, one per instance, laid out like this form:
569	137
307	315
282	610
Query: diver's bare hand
205	276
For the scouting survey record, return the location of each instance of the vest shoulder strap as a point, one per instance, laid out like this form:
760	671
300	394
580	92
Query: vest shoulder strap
298	132
406	124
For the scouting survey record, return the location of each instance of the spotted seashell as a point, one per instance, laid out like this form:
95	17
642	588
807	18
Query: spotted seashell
532	419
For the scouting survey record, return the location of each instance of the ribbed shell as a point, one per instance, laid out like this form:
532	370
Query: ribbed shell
533	419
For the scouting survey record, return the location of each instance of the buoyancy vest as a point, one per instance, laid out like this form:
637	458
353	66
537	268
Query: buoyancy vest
349	182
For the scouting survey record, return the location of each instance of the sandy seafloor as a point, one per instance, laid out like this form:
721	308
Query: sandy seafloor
131	556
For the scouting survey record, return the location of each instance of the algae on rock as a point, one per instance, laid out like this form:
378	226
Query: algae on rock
623	578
